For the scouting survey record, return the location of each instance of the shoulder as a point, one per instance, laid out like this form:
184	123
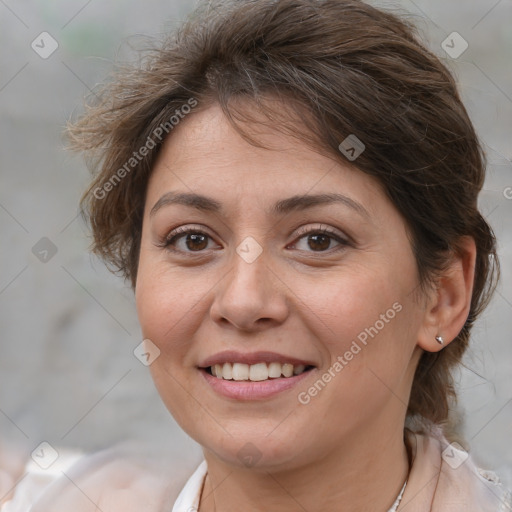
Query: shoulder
482	488
24	481
117	479
455	480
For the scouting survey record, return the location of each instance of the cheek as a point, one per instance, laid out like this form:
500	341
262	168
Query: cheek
163	311
366	317
352	303
168	301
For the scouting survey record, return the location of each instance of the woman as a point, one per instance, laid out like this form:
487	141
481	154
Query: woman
291	189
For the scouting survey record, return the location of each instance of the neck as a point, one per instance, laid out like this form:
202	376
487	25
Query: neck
360	475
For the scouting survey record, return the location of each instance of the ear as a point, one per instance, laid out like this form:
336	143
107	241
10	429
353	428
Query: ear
447	307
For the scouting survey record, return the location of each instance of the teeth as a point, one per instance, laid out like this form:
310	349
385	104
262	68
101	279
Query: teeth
240	371
297	370
287	370
258	372
274	370
227	371
255	372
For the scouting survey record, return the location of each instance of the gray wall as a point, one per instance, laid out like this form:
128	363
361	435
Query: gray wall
67	370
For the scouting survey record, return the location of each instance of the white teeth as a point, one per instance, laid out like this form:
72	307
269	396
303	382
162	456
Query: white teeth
255	372
258	372
274	370
240	371
227	371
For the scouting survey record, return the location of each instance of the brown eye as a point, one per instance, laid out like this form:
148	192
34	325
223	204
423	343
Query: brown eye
196	241
192	240
320	240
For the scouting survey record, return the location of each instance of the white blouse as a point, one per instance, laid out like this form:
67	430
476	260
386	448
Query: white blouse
35	480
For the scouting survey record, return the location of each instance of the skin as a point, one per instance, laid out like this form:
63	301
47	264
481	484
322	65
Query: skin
297	298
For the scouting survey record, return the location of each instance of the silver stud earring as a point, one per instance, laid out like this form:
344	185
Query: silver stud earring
440	340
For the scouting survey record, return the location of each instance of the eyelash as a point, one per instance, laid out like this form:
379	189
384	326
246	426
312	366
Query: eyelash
169	241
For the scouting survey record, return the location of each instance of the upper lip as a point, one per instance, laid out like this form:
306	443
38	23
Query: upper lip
232	356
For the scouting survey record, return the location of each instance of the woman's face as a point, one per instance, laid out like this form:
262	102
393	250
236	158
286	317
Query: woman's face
259	282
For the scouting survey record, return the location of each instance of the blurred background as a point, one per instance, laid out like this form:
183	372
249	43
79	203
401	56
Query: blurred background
68	374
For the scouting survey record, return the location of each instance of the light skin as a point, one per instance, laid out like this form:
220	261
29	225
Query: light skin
303	296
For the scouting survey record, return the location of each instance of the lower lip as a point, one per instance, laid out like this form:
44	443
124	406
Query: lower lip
248	390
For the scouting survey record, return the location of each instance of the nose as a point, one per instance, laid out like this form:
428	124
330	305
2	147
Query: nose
251	296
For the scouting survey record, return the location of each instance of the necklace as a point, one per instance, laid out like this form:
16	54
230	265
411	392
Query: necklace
394	508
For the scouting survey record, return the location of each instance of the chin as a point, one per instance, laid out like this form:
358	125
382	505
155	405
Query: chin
251	449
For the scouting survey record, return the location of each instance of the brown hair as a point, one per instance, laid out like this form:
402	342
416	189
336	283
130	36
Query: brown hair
346	68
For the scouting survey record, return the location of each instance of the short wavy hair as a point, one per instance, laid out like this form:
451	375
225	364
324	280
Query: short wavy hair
343	67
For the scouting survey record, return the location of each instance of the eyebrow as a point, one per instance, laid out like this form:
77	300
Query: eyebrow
281	207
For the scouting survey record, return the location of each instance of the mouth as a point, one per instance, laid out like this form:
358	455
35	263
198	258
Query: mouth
256	372
262	383
249	376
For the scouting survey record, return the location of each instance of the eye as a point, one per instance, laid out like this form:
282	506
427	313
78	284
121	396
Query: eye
196	240
319	239
193	240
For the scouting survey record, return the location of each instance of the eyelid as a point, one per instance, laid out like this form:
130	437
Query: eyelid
185	228
322	228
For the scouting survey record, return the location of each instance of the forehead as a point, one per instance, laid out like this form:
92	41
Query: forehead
204	153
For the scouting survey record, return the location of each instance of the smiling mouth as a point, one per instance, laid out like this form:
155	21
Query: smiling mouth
256	372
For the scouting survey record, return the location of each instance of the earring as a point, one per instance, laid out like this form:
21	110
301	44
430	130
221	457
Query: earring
440	340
